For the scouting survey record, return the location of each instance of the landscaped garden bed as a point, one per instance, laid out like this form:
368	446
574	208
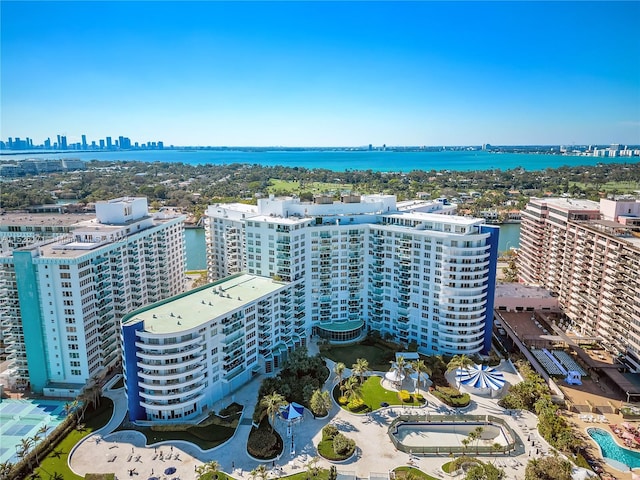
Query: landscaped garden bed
407	473
211	432
451	396
334	445
373	395
264	442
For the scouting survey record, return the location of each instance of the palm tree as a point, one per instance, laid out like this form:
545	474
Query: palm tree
459	361
495	448
259	472
208	470
421	369
25	446
360	368
35	439
5	470
43	431
338	369
271	404
353	389
312	467
401	367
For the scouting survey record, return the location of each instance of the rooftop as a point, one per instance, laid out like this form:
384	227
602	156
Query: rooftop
516	290
570	203
196	307
44	219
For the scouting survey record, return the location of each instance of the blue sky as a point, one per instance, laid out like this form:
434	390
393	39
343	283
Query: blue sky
322	73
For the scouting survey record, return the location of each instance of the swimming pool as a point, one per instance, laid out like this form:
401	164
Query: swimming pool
23	418
610	449
427	436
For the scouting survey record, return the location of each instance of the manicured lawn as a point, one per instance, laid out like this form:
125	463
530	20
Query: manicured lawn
322	475
57	460
374	394
377	356
402	472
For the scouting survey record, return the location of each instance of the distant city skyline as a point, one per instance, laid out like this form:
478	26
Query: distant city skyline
322	73
61	142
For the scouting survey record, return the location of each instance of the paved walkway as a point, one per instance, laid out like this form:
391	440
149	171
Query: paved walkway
125	452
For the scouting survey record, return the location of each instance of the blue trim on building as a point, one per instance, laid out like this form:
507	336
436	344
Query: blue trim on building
27	283
494	234
136	411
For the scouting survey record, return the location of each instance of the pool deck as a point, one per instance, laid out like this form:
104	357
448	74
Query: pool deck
123	451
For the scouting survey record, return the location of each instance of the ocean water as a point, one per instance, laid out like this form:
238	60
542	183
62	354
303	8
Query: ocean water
343	160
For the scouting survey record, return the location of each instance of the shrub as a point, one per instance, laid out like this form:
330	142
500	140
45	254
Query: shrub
420	398
329	432
342	445
263	443
404	395
452	397
356	404
231	409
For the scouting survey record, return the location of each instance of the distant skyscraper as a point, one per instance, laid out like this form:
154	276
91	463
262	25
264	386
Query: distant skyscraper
63	145
109	146
160	145
58	145
101	144
84	142
47	143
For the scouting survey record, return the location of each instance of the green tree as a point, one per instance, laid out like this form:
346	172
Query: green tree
484	471
548	468
338	369
320	402
421	369
208	471
5	470
353	389
271	404
23	451
259	472
401	367
360	369
459	361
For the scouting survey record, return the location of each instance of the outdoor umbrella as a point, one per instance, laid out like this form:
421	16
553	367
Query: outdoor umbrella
292	411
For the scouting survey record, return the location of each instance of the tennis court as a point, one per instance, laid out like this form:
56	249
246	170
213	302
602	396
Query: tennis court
23	418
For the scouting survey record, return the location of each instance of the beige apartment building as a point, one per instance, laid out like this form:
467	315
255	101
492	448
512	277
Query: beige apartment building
588	254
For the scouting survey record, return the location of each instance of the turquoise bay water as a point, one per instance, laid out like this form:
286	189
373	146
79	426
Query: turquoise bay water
196	248
343	160
610	449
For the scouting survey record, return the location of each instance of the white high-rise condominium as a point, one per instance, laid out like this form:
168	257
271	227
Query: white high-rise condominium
412	270
65	297
588	253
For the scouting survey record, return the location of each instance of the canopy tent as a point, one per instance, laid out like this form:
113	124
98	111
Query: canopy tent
481	380
292	411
